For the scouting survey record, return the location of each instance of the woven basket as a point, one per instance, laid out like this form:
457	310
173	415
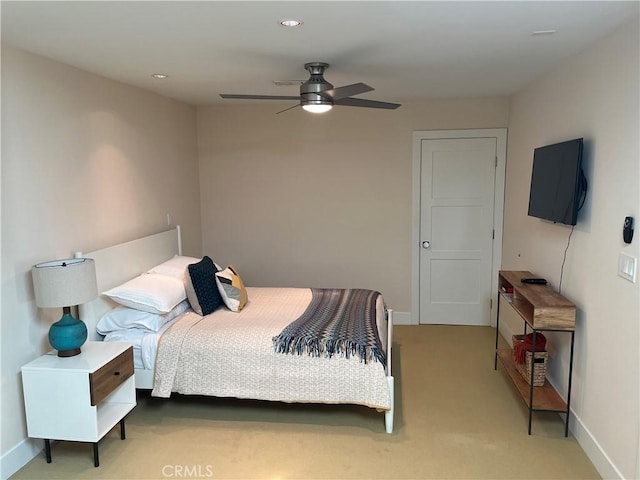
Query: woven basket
540	365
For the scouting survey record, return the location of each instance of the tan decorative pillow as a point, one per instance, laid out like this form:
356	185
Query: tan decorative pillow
231	288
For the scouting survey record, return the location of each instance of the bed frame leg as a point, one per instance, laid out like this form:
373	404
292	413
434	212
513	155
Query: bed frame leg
388	415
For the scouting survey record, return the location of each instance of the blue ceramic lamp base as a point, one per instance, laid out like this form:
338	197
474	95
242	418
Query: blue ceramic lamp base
68	334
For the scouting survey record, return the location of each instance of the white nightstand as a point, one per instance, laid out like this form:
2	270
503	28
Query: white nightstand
79	398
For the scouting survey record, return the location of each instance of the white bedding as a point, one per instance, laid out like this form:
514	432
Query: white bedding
229	354
145	344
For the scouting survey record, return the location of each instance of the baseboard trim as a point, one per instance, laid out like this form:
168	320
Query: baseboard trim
592	448
506	332
402	318
581	433
19	456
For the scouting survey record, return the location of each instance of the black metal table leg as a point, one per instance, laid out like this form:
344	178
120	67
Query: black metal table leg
47	449
566	422
533	365
122	433
495	359
96	459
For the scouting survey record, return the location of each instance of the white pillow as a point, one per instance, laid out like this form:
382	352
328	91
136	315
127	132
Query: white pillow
150	292
175	267
121	318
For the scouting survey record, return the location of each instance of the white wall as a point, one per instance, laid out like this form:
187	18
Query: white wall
326	200
595	96
86	162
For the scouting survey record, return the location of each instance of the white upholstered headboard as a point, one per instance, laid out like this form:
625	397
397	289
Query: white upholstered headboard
122	262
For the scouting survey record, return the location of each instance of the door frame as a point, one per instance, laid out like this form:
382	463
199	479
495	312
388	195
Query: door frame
500	134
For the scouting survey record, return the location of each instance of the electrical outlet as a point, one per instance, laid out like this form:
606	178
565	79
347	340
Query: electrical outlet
627	267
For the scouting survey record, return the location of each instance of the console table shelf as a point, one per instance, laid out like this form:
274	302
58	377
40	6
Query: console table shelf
541	309
538	305
545	397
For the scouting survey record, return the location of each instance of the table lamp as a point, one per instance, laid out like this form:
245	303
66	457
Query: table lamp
65	283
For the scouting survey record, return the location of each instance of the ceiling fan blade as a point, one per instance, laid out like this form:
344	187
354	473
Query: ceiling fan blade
361	102
347	91
287	109
260	97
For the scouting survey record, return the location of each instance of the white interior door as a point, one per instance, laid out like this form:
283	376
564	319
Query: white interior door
457	191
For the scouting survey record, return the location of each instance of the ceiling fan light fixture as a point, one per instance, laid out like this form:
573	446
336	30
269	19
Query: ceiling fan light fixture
318	96
317	107
312	101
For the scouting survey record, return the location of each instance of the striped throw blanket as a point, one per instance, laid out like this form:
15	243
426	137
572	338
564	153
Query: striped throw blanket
336	322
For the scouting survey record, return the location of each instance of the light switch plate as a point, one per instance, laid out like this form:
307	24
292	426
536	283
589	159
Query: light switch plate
627	267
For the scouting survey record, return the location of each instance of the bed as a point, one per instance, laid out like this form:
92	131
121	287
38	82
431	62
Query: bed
234	353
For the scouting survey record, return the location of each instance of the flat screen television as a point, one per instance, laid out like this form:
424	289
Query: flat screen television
558	184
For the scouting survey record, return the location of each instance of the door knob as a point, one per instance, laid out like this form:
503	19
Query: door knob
426	244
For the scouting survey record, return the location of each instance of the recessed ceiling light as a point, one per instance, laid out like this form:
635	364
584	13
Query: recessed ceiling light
543	32
290	22
160	76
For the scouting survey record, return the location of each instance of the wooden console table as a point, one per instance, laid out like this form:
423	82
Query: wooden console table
541	309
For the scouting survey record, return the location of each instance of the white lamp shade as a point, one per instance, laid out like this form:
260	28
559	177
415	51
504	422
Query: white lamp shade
64	283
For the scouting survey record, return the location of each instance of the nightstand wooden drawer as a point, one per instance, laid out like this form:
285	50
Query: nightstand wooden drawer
107	378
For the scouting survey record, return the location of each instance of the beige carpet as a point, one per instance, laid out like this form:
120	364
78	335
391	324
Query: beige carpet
456	418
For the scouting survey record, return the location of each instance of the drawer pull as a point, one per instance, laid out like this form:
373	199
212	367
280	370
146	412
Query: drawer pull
116	373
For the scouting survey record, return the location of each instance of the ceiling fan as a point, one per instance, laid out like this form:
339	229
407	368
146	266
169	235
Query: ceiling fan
318	96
